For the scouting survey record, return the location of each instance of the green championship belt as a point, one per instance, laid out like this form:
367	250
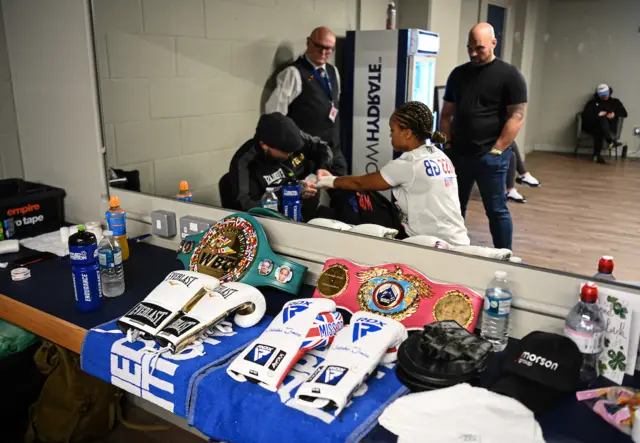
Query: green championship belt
236	249
268	213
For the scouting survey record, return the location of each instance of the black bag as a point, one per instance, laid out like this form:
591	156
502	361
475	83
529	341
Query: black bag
358	208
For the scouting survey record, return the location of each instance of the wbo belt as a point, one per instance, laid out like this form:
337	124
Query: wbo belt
399	292
236	249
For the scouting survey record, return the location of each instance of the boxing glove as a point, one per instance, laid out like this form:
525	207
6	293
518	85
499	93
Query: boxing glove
247	302
300	326
357	350
179	291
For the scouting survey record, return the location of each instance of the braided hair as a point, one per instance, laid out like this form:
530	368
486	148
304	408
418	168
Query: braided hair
417	117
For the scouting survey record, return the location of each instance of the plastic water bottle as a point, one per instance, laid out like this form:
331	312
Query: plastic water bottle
85	270
497	306
111	267
117	223
270	199
585	326
605	269
184	195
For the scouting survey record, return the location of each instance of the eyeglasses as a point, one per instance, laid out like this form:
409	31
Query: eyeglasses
327	49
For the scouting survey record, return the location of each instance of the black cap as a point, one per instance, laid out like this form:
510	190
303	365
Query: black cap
279	132
540	370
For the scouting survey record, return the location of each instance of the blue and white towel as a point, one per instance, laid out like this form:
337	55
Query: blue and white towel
166	380
252	414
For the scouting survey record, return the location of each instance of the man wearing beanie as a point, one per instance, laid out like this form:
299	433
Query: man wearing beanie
278	148
600	118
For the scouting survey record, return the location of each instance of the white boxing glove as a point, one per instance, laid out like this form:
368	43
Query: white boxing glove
247	302
369	340
302	325
374	230
427	240
178	291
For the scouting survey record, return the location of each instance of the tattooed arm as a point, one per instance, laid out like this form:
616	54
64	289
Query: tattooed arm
515	115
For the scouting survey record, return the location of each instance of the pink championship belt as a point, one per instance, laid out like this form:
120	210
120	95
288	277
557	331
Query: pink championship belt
399	292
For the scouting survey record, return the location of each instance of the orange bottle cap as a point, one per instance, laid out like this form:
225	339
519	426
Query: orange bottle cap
184	186
114	201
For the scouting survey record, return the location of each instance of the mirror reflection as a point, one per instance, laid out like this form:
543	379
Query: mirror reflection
515	134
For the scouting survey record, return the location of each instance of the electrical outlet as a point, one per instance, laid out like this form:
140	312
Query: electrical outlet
636	130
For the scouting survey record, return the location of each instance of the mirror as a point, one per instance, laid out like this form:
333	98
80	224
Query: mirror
183	84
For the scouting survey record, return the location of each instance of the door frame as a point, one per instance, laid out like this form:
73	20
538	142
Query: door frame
509	28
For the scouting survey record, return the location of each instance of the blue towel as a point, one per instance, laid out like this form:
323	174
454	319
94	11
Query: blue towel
167	380
227	410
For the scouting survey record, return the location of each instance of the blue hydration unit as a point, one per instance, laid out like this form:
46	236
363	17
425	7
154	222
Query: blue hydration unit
383	70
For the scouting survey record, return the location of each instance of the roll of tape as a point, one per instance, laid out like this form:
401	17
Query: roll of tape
19	274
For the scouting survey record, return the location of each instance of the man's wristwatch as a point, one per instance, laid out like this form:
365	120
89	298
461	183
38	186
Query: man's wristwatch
495	151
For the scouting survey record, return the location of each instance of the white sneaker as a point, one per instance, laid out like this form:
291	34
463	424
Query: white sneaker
515	196
528	180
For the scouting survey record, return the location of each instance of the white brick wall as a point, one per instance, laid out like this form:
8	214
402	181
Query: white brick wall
10	157
182	80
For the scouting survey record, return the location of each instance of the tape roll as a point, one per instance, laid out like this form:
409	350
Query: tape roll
19	274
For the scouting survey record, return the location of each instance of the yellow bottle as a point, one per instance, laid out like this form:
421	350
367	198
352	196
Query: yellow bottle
117	223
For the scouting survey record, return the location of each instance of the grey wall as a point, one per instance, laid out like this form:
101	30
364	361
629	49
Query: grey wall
182	81
10	159
54	86
587	42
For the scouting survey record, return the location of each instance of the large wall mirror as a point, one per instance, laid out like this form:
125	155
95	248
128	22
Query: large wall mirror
184	82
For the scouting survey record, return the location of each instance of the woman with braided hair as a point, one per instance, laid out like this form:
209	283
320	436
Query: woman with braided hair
423	180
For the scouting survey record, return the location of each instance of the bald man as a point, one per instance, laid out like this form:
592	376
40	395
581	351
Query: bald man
484	104
308	91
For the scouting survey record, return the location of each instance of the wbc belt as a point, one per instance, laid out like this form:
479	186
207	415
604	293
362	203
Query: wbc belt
399	292
236	249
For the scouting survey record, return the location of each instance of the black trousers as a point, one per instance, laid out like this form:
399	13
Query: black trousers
516	164
606	130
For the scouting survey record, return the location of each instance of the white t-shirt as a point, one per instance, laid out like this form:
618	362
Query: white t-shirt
426	191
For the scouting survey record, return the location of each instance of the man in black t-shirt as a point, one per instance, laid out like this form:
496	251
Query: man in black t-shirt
483	110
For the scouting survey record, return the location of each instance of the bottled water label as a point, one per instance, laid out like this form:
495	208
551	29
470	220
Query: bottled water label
109	259
587	343
497	306
273	205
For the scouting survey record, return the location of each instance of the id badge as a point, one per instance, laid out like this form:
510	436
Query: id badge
333	113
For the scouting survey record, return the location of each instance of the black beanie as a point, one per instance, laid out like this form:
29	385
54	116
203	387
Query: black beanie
279	132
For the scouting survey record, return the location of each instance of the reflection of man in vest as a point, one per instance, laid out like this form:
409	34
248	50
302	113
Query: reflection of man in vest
308	92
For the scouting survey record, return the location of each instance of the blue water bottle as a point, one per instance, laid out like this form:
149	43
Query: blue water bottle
83	254
291	203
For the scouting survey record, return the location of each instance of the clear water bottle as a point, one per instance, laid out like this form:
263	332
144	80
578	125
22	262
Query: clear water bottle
585	326
270	199
495	316
605	269
111	267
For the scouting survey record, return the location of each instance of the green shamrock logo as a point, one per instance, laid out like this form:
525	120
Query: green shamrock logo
618	309
618	360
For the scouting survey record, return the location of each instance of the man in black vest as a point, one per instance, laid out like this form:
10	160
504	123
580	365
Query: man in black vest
308	92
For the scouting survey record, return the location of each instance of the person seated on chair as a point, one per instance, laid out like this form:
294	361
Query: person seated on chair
423	179
278	149
600	118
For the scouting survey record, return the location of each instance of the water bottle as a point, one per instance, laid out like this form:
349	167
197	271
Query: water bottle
291	203
184	195
83	250
495	316
117	223
585	326
605	268
111	267
391	15
270	199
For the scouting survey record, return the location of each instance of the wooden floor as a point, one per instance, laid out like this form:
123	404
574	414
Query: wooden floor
581	212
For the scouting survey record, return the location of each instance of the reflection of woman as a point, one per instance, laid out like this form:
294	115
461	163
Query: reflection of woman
422	179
